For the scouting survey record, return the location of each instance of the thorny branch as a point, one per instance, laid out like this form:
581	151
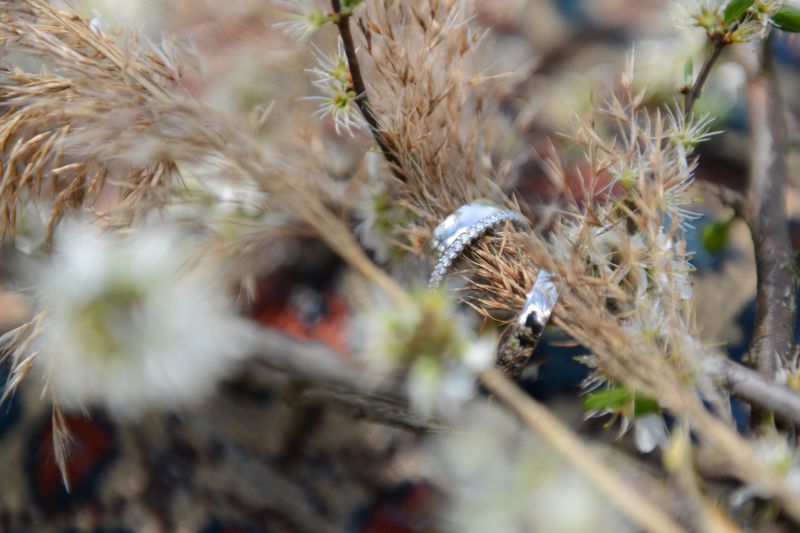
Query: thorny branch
773	337
362	100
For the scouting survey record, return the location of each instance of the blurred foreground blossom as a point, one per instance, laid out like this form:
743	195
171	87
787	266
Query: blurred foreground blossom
499	478
650	432
130	325
434	346
378	213
776	454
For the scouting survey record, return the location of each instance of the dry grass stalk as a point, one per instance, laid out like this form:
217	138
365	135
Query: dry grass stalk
48	116
433	106
641	510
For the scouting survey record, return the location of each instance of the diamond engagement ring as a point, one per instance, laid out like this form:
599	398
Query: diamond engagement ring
459	230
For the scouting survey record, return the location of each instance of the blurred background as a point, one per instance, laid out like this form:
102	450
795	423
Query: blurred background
253	458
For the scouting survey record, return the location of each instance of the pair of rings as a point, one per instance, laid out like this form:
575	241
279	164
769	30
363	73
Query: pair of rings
454	235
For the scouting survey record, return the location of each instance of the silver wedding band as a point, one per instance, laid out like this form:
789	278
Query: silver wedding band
523	335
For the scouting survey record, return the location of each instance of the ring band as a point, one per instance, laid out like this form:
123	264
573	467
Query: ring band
524	333
457	232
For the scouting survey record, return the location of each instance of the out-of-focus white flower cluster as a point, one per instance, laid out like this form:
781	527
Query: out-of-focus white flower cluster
379	213
499	478
220	206
129	324
433	346
773	451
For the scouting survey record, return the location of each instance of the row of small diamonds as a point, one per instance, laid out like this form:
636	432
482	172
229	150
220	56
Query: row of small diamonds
458	246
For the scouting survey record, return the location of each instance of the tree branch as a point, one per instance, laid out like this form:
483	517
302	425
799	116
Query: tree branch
756	389
359	87
323	377
773	338
372	407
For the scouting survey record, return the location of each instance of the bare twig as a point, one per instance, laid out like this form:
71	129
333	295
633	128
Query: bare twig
312	361
360	88
693	93
372	407
326	378
727	196
773	338
756	389
642	511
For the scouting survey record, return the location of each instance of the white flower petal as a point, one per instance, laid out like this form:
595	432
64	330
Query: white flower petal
128	328
649	432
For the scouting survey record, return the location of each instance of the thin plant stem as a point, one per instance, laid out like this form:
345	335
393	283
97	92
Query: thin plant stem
639	509
359	87
693	92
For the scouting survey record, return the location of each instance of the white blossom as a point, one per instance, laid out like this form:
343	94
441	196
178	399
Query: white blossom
650	432
303	19
499	478
339	98
775	453
433	347
129	325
